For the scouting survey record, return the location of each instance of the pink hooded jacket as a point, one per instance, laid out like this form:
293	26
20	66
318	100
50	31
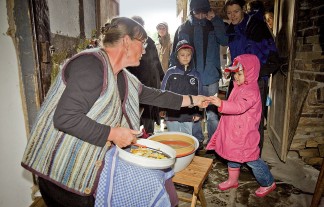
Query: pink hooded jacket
237	137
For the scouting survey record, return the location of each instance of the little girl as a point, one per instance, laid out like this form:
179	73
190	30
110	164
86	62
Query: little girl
236	138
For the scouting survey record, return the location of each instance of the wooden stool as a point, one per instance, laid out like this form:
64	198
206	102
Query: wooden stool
194	175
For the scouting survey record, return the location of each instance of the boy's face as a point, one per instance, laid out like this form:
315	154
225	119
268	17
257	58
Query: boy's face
239	77
184	56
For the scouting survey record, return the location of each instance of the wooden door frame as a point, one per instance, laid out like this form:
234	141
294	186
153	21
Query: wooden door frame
287	133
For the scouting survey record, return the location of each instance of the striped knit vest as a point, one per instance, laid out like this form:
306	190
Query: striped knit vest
65	160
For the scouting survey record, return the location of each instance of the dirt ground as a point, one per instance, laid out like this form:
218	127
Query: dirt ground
295	181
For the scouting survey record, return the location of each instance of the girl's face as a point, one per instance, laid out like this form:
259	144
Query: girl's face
162	31
239	77
184	56
234	13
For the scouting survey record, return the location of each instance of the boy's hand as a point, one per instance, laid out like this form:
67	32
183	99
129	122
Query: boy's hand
195	118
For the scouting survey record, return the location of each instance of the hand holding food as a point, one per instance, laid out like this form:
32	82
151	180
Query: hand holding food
122	137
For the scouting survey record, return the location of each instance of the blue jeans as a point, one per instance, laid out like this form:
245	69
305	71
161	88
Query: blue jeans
175	126
211	112
260	171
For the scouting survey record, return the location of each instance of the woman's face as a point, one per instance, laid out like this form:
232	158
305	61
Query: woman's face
135	52
235	13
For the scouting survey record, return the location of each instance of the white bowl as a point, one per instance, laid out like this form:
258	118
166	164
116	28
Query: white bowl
181	162
149	162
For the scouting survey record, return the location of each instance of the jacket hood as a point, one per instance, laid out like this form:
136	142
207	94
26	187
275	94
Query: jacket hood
199	5
251	67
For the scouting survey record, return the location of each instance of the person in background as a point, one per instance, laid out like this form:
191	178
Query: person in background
206	37
150	73
249	34
236	138
164	45
182	79
92	107
269	17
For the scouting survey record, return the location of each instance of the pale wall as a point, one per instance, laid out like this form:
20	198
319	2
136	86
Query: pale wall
15	182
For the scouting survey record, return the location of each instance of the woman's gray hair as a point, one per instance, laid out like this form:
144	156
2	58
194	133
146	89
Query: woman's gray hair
118	27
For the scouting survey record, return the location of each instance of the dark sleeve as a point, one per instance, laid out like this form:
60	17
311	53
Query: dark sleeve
156	60
163	99
175	42
84	77
257	30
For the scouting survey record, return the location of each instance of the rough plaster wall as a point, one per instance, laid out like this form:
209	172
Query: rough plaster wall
89	17
64	17
15	182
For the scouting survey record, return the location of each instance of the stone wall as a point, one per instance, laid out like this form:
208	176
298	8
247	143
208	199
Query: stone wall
309	75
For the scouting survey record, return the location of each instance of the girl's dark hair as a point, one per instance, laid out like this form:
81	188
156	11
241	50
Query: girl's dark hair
118	27
241	3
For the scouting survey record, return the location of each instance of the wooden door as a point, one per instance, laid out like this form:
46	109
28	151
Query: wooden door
279	114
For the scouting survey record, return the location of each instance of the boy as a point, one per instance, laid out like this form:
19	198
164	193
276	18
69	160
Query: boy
185	80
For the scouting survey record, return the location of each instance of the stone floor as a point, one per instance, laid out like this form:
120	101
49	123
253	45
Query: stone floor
295	180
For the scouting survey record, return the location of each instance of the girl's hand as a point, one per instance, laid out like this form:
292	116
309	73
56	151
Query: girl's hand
215	100
122	136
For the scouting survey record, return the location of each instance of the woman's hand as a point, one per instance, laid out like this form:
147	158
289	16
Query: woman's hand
122	136
201	101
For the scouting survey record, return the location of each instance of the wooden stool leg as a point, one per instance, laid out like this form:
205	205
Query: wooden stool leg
194	200
202	199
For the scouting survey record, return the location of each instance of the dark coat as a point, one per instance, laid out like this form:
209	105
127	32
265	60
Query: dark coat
150	73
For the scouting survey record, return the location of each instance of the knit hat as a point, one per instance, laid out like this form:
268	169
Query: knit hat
199	6
162	24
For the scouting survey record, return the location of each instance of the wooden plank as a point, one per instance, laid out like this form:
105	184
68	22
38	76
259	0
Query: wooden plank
195	174
38	202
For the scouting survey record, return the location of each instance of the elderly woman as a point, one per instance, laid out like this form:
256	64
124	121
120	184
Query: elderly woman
92	106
